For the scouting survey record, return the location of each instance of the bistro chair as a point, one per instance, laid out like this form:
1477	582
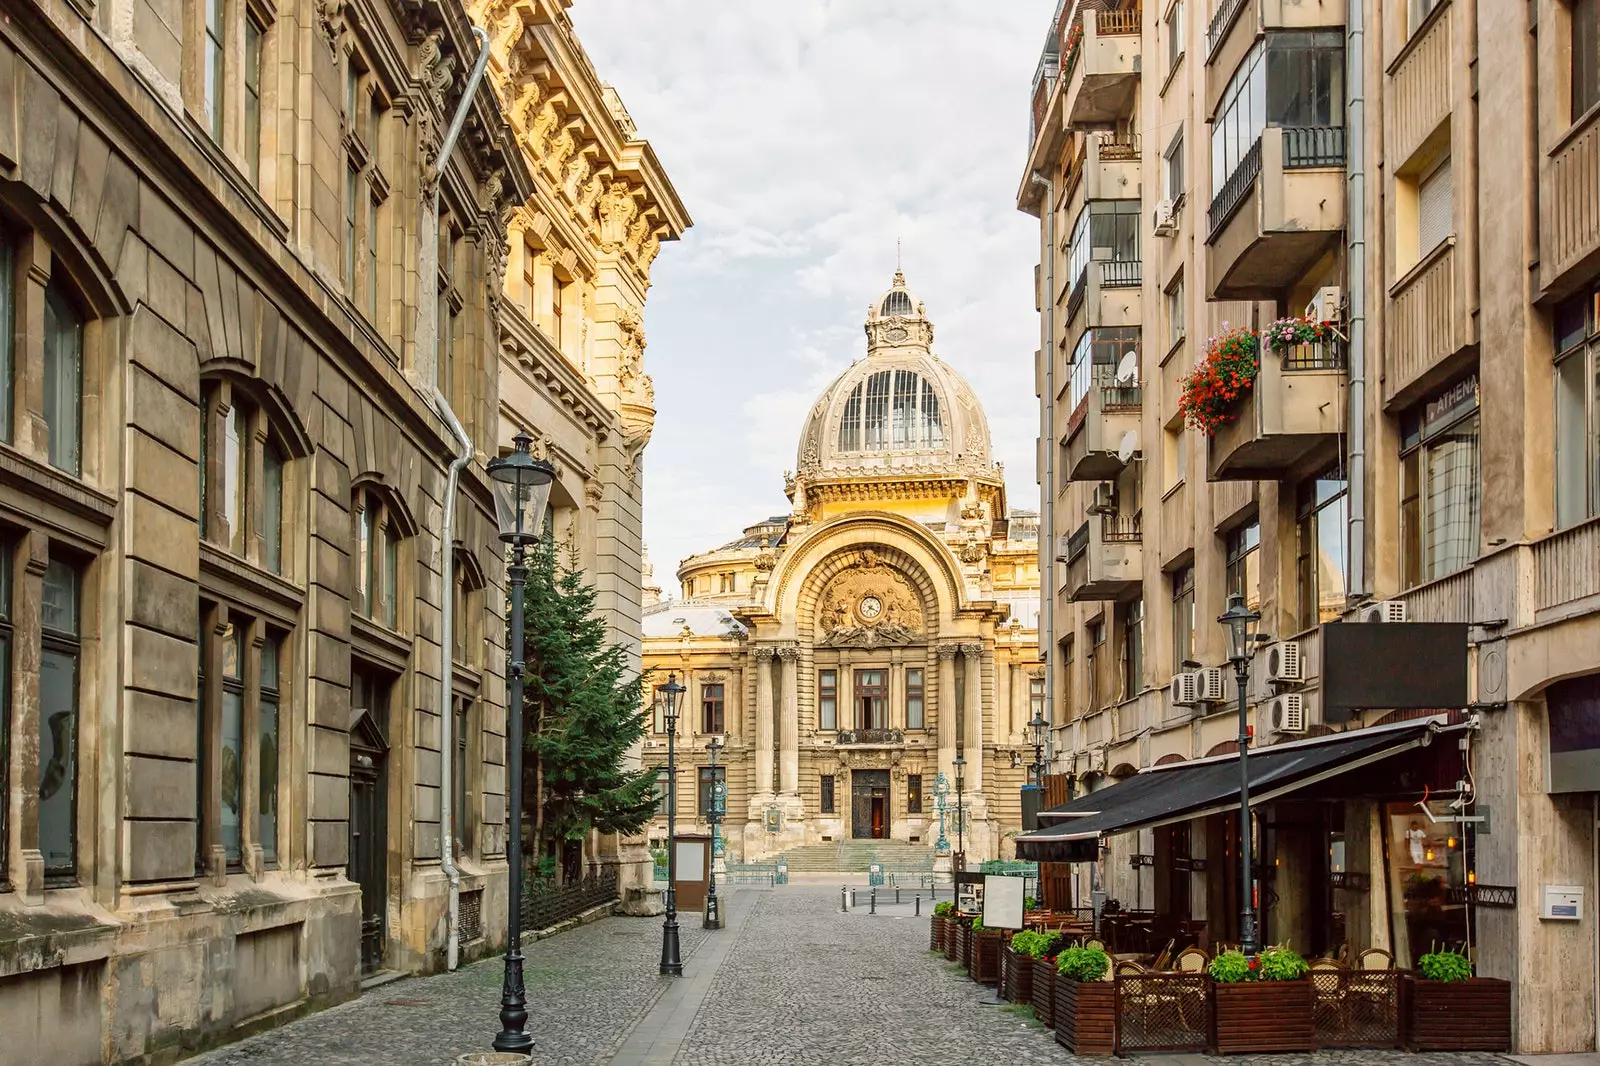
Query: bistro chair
1375	959
1191	960
1165	957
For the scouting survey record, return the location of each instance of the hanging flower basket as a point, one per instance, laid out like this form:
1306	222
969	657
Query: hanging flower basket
1210	393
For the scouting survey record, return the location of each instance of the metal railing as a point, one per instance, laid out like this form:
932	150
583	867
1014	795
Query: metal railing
1115	397
1044	81
1326	355
1120	273
1313	146
1233	190
869	736
1118	147
1220	23
1122	529
1078	543
547	904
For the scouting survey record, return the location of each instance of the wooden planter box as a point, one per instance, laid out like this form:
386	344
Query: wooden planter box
1086	1016
936	933
1263	1016
953	932
1472	1015
1044	991
983	958
1016	976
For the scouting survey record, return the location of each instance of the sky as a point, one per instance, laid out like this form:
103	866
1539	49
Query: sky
805	138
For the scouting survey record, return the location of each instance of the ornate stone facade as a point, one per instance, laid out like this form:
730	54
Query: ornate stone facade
864	641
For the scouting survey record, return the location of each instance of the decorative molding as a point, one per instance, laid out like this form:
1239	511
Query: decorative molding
789	653
949	651
764	652
972	651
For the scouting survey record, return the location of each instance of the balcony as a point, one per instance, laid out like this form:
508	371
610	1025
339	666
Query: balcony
1109	290
1280	211
1424	328
1238	24
869	737
1569	209
1104	426
1111	167
1105	558
1100	63
1293	411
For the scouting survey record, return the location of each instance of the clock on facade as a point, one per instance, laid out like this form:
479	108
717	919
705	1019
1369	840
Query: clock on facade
870	607
897	334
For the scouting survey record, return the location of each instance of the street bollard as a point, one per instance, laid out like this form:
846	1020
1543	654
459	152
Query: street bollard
897	894
844	900
853	902
872	902
918	902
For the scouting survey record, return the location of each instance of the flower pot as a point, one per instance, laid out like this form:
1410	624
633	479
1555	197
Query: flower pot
1044	991
1016	976
1263	1016
983	959
1471	1015
1086	1016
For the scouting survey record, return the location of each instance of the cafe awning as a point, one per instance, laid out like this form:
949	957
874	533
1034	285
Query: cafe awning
1176	792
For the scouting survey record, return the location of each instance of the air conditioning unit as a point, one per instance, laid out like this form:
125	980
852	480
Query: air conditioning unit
652	744
1063	547
1384	611
1211	683
1185	689
1324	306
1288	713
1283	661
1166	218
1105	498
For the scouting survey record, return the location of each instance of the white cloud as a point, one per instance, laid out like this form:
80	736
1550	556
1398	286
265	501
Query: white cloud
805	138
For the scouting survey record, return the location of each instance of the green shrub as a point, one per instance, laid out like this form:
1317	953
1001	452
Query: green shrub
1229	968
977	924
1281	964
944	908
1053	943
1083	964
1029	903
1029	943
1444	966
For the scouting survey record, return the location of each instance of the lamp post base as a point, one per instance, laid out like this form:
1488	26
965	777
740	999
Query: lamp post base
713	915
671	962
513	1035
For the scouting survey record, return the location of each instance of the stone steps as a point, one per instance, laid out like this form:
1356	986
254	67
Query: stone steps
856	856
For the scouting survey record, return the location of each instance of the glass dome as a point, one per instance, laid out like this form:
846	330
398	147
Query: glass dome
891	409
898	302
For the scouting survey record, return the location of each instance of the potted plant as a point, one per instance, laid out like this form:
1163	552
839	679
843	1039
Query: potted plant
1262	1003
1448	1009
941	924
1016	965
1044	979
1209	394
1086	1002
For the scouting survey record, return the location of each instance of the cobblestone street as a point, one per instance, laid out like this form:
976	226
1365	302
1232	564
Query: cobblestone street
791	981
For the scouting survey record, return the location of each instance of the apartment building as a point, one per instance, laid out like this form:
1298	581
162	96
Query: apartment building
1418	443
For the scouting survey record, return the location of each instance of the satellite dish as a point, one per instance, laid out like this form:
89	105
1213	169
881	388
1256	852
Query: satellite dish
1128	369
1129	446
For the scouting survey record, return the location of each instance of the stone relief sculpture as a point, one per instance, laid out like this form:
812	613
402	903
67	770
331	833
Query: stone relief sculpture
869	605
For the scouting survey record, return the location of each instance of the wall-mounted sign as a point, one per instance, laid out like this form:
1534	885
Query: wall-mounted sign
774	820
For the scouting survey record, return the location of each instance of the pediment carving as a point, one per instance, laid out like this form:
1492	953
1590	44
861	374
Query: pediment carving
870	604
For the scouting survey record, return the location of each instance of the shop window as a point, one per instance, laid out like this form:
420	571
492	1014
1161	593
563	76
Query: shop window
58	720
1244	564
827	699
826	804
711	708
1321	551
1439	490
914	697
1577	406
1426	860
1183	618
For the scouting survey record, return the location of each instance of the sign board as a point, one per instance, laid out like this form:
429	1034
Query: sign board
1002	901
774	820
1562	903
1573	737
969	892
691	860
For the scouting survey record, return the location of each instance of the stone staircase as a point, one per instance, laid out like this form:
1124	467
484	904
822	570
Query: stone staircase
854	856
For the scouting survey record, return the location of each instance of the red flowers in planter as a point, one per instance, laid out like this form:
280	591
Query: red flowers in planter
1225	374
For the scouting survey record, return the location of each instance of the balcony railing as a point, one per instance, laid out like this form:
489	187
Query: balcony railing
1324	356
1044	83
1568	565
1122	529
1118	148
1119	273
1233	191
1305	147
1075	295
1220	23
1078	543
870	736
1122	23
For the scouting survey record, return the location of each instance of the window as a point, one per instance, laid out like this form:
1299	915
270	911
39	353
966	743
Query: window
827	699
1241	116
1434	209
1182	618
1174	25
5	697
1174	455
663	790
826	804
231	430
377	560
711	709
1244	564
913	793
252	98
558	296
1175	315
8	324
267	759
1577	405
272	508
1114	229
235	469
444	349
372	259
1078	251
1419	12
63	379
214	67
1091	661
352	202
1585	56
58	721
1321	552
1064	649
232	729
1305	79
1035	698
914	697
891	409
709	776
1439	492
659	710
1095	360
872	705
1133	649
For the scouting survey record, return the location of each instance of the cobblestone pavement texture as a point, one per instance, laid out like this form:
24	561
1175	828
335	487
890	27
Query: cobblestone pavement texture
802	985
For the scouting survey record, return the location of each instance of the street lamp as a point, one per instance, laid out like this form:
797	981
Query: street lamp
670	696
1038	727
521	486
713	919
961	820
1241	623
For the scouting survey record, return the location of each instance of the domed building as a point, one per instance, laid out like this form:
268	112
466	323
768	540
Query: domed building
864	654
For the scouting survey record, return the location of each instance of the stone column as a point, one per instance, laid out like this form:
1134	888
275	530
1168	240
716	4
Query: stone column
763	656
973	740
1005	702
946	710
896	718
789	723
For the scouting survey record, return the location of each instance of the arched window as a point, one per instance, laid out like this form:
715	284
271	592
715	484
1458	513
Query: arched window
63	378
242	462
377	562
897	302
891	409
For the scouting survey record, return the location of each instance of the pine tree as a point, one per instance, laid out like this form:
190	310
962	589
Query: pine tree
582	714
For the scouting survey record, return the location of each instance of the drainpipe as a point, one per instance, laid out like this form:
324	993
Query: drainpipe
1047	509
1356	272
427	309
